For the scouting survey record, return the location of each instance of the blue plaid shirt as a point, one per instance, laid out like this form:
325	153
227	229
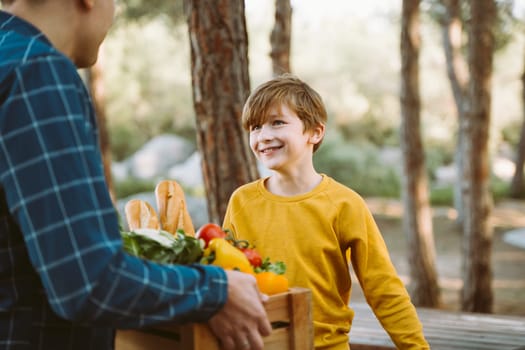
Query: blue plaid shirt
65	282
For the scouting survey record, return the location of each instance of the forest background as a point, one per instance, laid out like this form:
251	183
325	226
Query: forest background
352	53
349	52
374	108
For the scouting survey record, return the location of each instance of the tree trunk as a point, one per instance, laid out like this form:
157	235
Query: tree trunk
458	76
517	185
95	78
219	69
477	295
281	37
417	218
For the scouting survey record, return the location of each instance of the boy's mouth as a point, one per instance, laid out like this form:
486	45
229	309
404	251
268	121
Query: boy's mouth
269	149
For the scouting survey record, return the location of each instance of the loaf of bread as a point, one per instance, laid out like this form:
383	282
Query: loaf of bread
172	208
140	214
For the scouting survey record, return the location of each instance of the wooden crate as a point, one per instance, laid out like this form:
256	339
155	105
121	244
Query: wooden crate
290	315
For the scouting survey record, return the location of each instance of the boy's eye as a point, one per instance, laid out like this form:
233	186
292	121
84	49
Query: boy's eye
278	122
255	127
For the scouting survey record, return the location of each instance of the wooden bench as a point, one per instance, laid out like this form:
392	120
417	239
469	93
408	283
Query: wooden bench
444	330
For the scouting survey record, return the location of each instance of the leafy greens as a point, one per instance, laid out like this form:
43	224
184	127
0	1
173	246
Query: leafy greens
162	247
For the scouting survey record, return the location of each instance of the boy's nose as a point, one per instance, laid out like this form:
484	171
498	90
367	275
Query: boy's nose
265	133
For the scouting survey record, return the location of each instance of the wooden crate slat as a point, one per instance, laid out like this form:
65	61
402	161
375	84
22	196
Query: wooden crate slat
277	310
277	336
302	337
294	331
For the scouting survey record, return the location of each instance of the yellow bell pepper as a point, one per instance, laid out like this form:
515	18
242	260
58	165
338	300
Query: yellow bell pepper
227	256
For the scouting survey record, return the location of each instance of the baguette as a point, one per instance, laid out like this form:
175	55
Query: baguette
171	204
140	214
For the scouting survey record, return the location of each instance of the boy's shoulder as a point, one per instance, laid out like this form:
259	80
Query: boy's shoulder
335	186
244	194
247	189
250	186
342	195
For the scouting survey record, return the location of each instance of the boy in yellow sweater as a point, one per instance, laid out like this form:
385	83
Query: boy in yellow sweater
313	223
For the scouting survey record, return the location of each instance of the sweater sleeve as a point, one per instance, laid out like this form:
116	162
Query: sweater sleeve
382	287
52	175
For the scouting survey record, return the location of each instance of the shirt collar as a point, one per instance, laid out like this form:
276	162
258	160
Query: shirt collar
10	22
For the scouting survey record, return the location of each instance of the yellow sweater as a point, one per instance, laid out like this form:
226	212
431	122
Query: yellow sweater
315	234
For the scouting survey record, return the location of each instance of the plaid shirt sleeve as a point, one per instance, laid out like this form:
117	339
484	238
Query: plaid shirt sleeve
52	176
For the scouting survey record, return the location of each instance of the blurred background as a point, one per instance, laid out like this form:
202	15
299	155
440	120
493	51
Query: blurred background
352	53
346	50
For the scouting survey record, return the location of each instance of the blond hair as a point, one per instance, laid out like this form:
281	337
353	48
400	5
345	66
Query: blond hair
286	90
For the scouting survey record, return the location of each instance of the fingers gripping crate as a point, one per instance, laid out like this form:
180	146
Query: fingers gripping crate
290	315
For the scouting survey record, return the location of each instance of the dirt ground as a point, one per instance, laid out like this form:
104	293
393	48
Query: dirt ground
508	261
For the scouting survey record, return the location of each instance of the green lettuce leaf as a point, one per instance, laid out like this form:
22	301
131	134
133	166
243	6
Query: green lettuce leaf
163	247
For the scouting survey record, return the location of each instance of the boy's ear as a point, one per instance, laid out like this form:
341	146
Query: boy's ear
317	133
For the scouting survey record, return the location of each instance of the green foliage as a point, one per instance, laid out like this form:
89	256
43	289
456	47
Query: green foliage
148	85
162	246
358	167
371	128
511	132
437	155
499	188
125	140
444	195
504	27
132	186
145	10
277	267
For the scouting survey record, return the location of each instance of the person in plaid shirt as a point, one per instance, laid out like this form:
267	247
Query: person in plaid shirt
65	281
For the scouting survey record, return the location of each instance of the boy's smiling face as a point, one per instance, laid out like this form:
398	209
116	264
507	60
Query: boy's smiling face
281	143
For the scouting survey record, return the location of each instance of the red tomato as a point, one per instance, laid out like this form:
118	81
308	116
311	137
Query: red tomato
207	232
253	256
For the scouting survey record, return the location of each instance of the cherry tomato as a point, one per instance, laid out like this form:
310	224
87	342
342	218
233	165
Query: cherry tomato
253	256
207	232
